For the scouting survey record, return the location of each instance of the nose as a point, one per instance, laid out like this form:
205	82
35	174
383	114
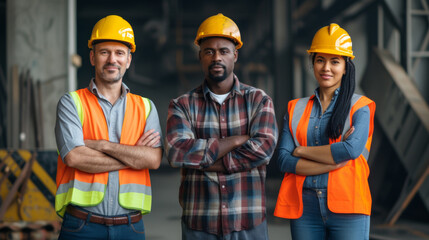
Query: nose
216	56
326	67
111	58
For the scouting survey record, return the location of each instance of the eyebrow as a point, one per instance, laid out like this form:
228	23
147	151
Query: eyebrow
222	48
325	58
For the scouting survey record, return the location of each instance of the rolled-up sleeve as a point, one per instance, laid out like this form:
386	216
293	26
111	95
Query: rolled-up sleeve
68	128
354	145
286	161
152	122
182	148
263	133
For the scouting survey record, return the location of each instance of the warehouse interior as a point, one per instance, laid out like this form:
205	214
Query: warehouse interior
45	54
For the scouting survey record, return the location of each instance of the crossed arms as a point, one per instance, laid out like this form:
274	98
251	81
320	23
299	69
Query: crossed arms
96	156
315	160
203	148
103	156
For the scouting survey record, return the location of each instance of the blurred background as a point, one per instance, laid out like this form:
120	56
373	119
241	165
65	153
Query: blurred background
44	54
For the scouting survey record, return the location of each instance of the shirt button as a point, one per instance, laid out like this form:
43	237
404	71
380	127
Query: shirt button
316	127
224	206
314	181
317	142
319	192
223	119
223	186
320	116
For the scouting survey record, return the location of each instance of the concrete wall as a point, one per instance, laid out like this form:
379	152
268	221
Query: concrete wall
37	42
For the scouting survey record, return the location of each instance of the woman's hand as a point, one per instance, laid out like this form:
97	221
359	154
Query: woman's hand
348	133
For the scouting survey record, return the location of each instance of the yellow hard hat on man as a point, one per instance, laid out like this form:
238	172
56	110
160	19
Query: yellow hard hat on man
219	26
113	28
332	39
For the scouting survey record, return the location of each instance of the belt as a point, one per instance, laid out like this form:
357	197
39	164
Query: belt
103	220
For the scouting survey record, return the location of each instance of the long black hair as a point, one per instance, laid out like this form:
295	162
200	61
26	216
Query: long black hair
343	103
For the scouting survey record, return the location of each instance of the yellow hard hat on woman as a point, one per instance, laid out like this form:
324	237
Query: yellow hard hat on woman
113	28
332	39
219	26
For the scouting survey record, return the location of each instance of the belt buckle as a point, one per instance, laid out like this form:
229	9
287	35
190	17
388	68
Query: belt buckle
109	221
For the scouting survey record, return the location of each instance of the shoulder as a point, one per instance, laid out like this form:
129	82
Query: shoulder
253	93
189	97
66	100
360	101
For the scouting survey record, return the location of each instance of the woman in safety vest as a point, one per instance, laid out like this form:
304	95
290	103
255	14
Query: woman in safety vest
324	148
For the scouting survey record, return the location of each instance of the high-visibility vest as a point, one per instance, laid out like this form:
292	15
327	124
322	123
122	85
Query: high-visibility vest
87	189
348	189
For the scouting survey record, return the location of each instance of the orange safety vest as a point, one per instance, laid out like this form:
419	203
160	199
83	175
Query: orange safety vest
348	189
87	189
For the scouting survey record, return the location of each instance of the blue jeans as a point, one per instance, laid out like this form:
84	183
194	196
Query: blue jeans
74	228
318	223
259	232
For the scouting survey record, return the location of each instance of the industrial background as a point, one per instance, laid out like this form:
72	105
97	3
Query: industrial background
44	54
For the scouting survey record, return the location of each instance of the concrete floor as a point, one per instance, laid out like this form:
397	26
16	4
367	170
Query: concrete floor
163	223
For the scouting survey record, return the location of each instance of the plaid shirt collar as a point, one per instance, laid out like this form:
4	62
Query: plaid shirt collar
235	89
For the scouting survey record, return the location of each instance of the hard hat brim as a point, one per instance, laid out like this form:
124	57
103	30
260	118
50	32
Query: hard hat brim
91	43
331	51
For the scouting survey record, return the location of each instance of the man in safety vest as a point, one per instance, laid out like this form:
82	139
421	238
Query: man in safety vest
222	135
107	140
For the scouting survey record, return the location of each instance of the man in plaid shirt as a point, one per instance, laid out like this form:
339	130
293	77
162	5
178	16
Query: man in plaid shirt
222	135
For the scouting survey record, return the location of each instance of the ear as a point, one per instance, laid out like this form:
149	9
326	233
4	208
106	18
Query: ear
235	55
92	57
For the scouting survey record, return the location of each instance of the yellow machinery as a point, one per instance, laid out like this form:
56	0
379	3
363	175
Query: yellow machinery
27	187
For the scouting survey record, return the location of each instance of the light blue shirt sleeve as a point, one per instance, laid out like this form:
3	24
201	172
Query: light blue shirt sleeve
353	146
286	161
152	122
68	129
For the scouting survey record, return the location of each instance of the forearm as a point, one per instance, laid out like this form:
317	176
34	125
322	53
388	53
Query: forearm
226	145
307	167
92	161
256	152
320	154
136	157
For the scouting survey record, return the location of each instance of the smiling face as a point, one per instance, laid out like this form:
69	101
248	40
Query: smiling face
217	58
329	70
111	60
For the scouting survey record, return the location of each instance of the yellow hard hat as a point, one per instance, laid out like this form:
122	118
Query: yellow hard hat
113	28
219	26
332	39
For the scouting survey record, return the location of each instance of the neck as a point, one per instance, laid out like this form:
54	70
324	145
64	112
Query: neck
111	91
326	94
221	87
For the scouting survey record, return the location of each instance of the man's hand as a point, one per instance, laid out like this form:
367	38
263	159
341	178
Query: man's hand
149	139
144	154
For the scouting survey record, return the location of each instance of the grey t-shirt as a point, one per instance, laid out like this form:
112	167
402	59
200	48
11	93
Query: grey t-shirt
69	134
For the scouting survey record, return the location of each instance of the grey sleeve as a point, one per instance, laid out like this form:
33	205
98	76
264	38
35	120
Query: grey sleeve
152	122
68	128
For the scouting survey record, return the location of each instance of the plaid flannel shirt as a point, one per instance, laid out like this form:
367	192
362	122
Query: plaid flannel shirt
220	203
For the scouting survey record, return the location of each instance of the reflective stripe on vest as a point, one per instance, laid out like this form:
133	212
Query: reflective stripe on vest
86	189
348	190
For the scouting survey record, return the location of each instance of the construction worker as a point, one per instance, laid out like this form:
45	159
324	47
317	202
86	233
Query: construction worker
107	139
324	148
222	135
